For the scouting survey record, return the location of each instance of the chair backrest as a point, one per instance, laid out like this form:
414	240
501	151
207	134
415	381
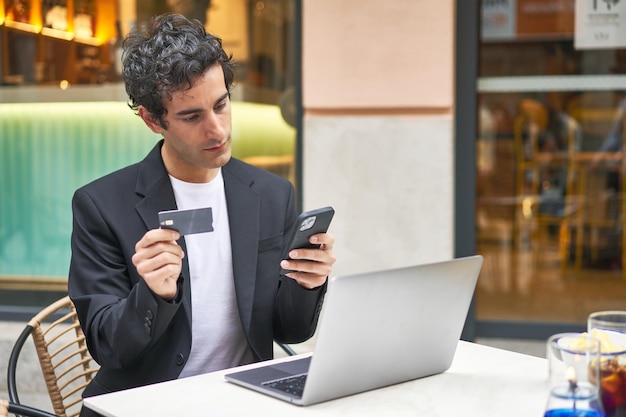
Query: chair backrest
7	407
286	348
530	121
540	164
533	119
65	361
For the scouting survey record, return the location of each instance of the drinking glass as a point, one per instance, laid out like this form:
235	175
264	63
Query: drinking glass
573	360
610	328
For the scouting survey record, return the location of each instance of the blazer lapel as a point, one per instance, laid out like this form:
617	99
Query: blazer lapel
243	215
153	183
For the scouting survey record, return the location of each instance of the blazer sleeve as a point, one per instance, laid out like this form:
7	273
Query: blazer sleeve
297	309
119	314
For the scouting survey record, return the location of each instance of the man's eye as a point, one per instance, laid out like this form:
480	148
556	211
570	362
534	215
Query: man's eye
191	118
220	106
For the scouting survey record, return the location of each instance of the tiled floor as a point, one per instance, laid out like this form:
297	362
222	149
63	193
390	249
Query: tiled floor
531	286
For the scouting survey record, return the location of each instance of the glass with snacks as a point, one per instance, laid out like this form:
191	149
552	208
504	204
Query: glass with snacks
610	328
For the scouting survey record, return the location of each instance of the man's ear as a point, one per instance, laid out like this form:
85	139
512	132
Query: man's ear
149	120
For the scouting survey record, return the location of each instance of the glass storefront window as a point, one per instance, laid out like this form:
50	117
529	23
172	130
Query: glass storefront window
64	119
550	166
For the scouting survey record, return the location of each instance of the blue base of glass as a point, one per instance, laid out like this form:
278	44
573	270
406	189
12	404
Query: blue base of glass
573	413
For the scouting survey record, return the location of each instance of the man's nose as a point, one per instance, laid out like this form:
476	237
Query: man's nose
215	126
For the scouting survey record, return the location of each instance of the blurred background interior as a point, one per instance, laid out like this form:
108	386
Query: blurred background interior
548	100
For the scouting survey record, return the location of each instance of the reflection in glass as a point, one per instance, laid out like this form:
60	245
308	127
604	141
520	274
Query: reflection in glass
550	186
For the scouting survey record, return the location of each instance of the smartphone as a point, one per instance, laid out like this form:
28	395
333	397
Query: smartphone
309	223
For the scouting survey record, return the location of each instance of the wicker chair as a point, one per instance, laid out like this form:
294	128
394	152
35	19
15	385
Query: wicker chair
7	407
65	361
534	168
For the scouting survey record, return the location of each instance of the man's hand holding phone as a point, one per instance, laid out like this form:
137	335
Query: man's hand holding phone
310	258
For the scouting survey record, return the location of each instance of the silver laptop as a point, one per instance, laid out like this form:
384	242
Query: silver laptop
376	329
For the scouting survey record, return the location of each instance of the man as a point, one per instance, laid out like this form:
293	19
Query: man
156	306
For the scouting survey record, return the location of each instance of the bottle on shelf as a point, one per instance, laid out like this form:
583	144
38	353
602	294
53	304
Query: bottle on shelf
84	18
55	14
18	11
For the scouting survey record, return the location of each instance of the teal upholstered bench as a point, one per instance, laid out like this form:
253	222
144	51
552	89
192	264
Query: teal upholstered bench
48	150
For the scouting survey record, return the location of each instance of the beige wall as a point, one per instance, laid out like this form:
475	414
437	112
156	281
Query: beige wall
378	132
374	54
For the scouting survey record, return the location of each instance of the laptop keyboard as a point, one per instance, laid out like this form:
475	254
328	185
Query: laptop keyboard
293	385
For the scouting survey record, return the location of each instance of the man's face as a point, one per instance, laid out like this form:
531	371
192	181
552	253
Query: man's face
198	135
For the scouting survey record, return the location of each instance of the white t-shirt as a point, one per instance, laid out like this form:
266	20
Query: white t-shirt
218	340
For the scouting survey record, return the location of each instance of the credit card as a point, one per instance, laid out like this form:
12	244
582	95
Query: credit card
187	222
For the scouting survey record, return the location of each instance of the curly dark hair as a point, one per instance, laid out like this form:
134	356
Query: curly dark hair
167	57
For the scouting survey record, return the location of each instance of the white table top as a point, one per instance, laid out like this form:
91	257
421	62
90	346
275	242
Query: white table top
482	381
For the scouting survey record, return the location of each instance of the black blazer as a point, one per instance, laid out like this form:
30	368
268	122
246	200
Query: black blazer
138	338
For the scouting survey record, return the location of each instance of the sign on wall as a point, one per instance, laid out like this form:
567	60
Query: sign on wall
600	24
498	19
527	19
